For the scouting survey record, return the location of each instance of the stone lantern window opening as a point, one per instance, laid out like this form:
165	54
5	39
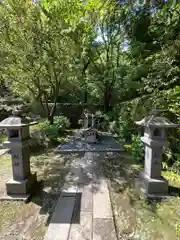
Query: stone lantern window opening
157	132
89	124
14	133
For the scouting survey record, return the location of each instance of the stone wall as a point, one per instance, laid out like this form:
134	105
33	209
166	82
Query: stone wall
71	110
74	111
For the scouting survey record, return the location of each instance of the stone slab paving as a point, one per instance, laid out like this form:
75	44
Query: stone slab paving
61	219
86	203
103	229
82	231
87	199
76	144
101	201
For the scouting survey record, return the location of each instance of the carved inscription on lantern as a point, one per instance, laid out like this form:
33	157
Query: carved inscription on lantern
16	162
157	156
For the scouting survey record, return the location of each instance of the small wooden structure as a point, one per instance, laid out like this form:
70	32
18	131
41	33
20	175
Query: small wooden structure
90	133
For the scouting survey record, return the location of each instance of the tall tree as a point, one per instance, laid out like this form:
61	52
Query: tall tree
39	52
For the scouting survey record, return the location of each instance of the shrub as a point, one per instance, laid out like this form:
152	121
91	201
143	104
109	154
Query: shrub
39	139
44	133
52	131
128	147
62	123
176	165
3	136
137	148
40	127
125	127
38	142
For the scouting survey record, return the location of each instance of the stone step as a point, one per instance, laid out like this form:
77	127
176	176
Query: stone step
103	222
81	225
103	229
101	200
60	224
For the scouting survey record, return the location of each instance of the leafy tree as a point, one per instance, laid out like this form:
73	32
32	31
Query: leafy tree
91	51
37	50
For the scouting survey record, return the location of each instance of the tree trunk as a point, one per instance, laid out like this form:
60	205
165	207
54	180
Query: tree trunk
52	113
85	81
85	94
50	119
107	97
45	109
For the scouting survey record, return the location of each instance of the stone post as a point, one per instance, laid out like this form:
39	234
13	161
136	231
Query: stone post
20	186
154	139
86	122
90	133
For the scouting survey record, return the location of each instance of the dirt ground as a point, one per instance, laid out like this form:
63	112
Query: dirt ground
135	218
19	220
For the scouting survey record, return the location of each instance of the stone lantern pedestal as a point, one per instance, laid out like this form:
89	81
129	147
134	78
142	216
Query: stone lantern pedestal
22	182
154	139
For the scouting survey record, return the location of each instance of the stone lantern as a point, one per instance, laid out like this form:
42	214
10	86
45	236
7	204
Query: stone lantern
20	186
154	139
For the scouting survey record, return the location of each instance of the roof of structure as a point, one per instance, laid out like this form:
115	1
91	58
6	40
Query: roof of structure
156	121
14	122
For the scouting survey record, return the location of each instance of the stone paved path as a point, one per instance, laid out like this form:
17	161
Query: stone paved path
83	211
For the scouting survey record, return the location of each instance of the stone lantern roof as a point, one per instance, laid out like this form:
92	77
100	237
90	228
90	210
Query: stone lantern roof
16	122
156	121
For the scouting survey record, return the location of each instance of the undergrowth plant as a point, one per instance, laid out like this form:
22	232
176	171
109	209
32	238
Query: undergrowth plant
45	132
137	149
